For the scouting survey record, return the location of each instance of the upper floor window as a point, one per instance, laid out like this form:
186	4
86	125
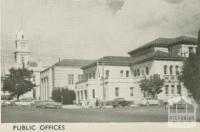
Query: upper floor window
107	73
179	89
127	73
121	73
135	73
171	70
80	77
147	70
138	72
177	70
166	89
165	69
70	79
191	50
116	92
81	94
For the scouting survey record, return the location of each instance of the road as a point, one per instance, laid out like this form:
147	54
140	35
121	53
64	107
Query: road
11	114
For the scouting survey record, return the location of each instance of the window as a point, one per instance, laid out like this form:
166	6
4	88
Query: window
166	89
138	72
93	75
93	93
80	77
142	72
107	73
171	70
121	73
179	89
191	50
85	91
165	69
135	73
116	92
127	73
131	91
78	95
81	94
177	70
147	70
70	79
172	89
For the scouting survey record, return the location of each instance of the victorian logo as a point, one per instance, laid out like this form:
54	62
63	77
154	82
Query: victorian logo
182	112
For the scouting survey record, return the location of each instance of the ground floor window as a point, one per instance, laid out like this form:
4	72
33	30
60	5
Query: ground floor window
85	94
131	91
172	89
93	93
116	92
81	94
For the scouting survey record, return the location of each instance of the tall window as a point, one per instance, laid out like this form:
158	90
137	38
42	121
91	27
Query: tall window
127	73
179	89
172	89
85	91
138	72
191	50
80	77
131	91
121	73
171	70
166	89
135	73
116	92
93	93
81	94
70	79
107	73
177	70
147	70
165	69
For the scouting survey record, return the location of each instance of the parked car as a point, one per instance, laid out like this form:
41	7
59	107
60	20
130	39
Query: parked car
120	102
5	102
150	101
23	103
48	104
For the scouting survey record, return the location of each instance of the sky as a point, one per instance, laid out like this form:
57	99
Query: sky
89	29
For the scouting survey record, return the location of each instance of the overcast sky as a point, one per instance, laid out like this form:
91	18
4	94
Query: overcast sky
94	28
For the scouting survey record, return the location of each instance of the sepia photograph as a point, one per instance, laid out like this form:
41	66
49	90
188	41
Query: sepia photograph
100	61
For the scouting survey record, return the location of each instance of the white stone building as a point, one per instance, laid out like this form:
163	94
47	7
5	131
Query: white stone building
112	77
63	74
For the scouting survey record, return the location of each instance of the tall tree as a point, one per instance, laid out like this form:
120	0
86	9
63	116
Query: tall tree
191	73
18	82
152	85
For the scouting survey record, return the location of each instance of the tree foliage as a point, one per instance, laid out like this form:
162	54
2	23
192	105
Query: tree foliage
18	82
191	73
152	85
63	95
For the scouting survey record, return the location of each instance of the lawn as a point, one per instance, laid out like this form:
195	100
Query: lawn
136	114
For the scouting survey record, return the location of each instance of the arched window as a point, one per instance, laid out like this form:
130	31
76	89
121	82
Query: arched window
135	73
121	73
165	69
138	72
127	73
171	70
107	73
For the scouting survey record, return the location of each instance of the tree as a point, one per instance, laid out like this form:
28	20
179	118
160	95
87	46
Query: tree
18	82
152	85
191	73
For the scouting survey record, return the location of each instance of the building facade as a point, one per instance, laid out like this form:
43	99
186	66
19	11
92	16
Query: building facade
63	74
119	77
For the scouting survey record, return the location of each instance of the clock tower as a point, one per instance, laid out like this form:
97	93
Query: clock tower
21	51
